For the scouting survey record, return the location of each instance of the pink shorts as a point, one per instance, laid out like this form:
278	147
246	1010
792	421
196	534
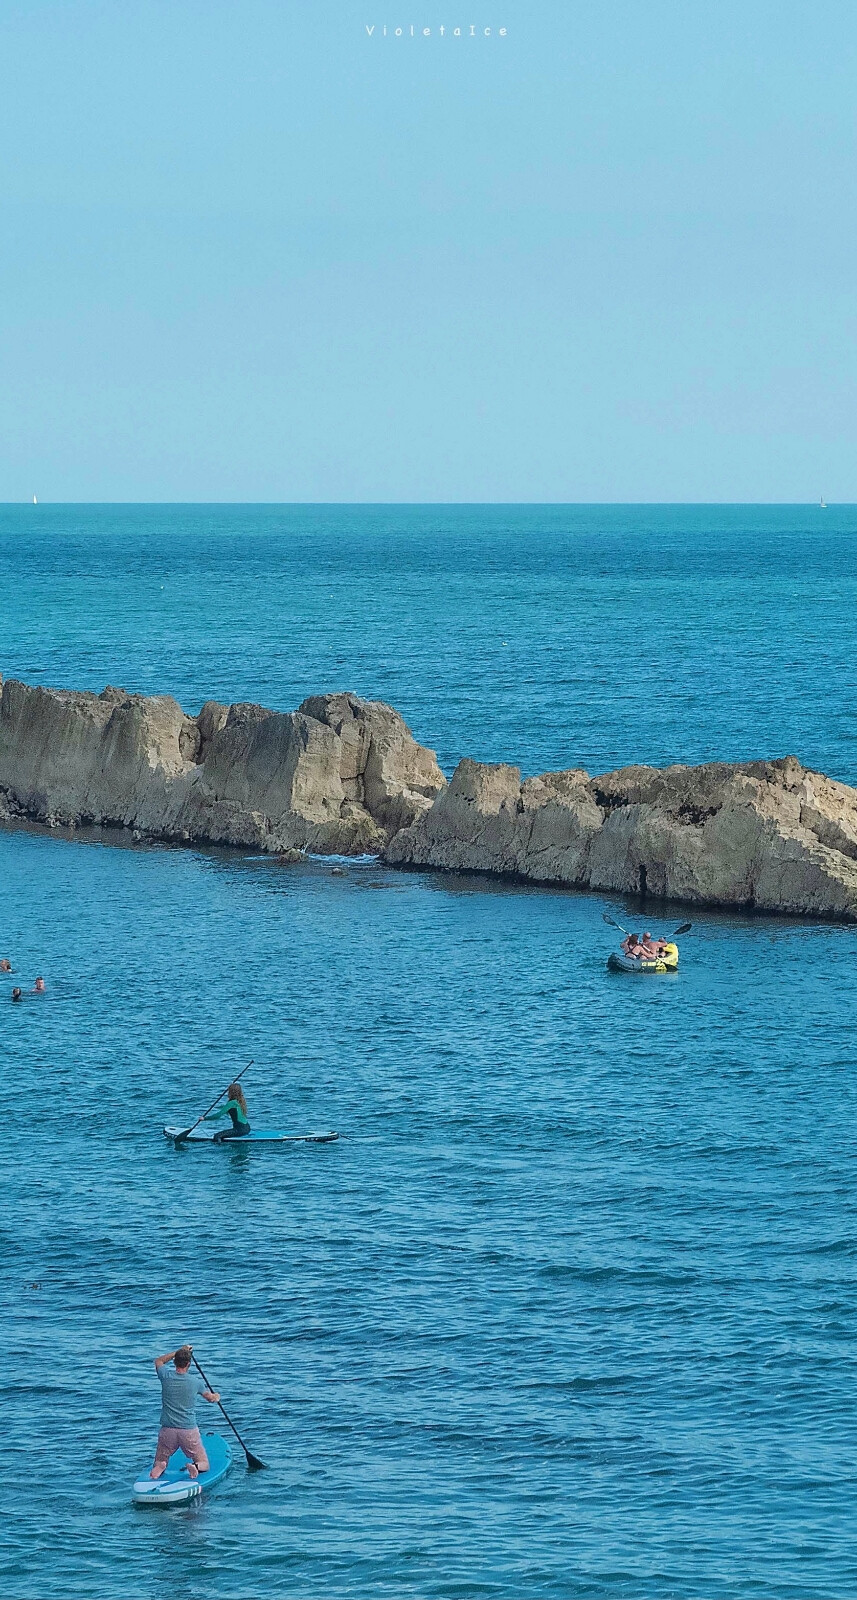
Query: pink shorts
188	1440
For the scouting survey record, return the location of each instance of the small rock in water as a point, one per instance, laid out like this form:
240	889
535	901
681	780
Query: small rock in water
287	857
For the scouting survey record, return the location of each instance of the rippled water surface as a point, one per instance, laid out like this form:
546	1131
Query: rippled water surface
569	1309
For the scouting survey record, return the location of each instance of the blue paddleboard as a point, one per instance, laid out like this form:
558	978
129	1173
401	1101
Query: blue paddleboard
206	1136
175	1487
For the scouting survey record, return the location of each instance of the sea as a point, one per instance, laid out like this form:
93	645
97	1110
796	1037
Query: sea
568	1311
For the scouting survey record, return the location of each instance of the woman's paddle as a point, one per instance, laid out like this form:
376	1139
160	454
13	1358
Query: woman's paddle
605	917
180	1137
253	1462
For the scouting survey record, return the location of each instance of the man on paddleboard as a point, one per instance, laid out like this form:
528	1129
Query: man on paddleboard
179	1391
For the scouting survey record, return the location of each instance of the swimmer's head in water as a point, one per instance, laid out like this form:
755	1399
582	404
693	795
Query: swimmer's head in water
16	994
5	966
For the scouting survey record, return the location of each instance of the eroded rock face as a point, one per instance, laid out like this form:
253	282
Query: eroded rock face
73	757
342	774
382	766
340	780
769	834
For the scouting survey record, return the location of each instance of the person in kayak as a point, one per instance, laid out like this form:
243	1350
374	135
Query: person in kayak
648	950
178	1429
236	1108
631	946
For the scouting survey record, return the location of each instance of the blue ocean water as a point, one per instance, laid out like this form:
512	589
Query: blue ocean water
568	1311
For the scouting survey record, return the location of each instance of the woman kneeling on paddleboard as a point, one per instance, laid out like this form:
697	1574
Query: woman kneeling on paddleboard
236	1108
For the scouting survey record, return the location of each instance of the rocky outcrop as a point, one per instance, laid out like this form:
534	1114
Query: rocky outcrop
765	834
345	775
381	766
339	774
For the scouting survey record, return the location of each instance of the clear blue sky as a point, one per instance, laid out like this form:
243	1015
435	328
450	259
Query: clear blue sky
250	253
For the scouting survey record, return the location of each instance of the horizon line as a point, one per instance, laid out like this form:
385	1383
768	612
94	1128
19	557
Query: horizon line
588	504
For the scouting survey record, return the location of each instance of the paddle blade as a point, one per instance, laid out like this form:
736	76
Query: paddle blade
685	928
253	1462
180	1137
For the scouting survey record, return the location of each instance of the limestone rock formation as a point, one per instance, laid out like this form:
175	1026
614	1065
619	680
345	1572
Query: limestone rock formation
765	834
382	766
345	775
338	775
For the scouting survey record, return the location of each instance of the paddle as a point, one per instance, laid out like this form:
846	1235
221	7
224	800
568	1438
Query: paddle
182	1136
685	927
253	1462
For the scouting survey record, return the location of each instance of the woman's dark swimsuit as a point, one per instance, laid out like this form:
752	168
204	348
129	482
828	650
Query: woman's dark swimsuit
240	1126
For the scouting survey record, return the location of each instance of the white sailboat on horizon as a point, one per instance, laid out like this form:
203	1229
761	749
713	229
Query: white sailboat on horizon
822	504
35	501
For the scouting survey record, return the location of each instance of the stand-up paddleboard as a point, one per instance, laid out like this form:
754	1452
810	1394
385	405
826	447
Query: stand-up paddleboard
175	1486
202	1136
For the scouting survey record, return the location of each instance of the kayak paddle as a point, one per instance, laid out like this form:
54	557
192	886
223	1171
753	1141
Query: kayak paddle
605	917
180	1137
253	1462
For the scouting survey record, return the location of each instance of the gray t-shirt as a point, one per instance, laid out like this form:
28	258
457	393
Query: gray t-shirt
178	1397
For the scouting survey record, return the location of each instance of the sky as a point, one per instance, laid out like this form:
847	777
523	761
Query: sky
252	252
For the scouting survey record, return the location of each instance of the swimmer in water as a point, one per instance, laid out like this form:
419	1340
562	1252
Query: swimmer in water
39	986
5	966
17	995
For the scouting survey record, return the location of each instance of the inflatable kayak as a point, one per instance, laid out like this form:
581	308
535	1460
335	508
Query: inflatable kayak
203	1136
175	1487
617	961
